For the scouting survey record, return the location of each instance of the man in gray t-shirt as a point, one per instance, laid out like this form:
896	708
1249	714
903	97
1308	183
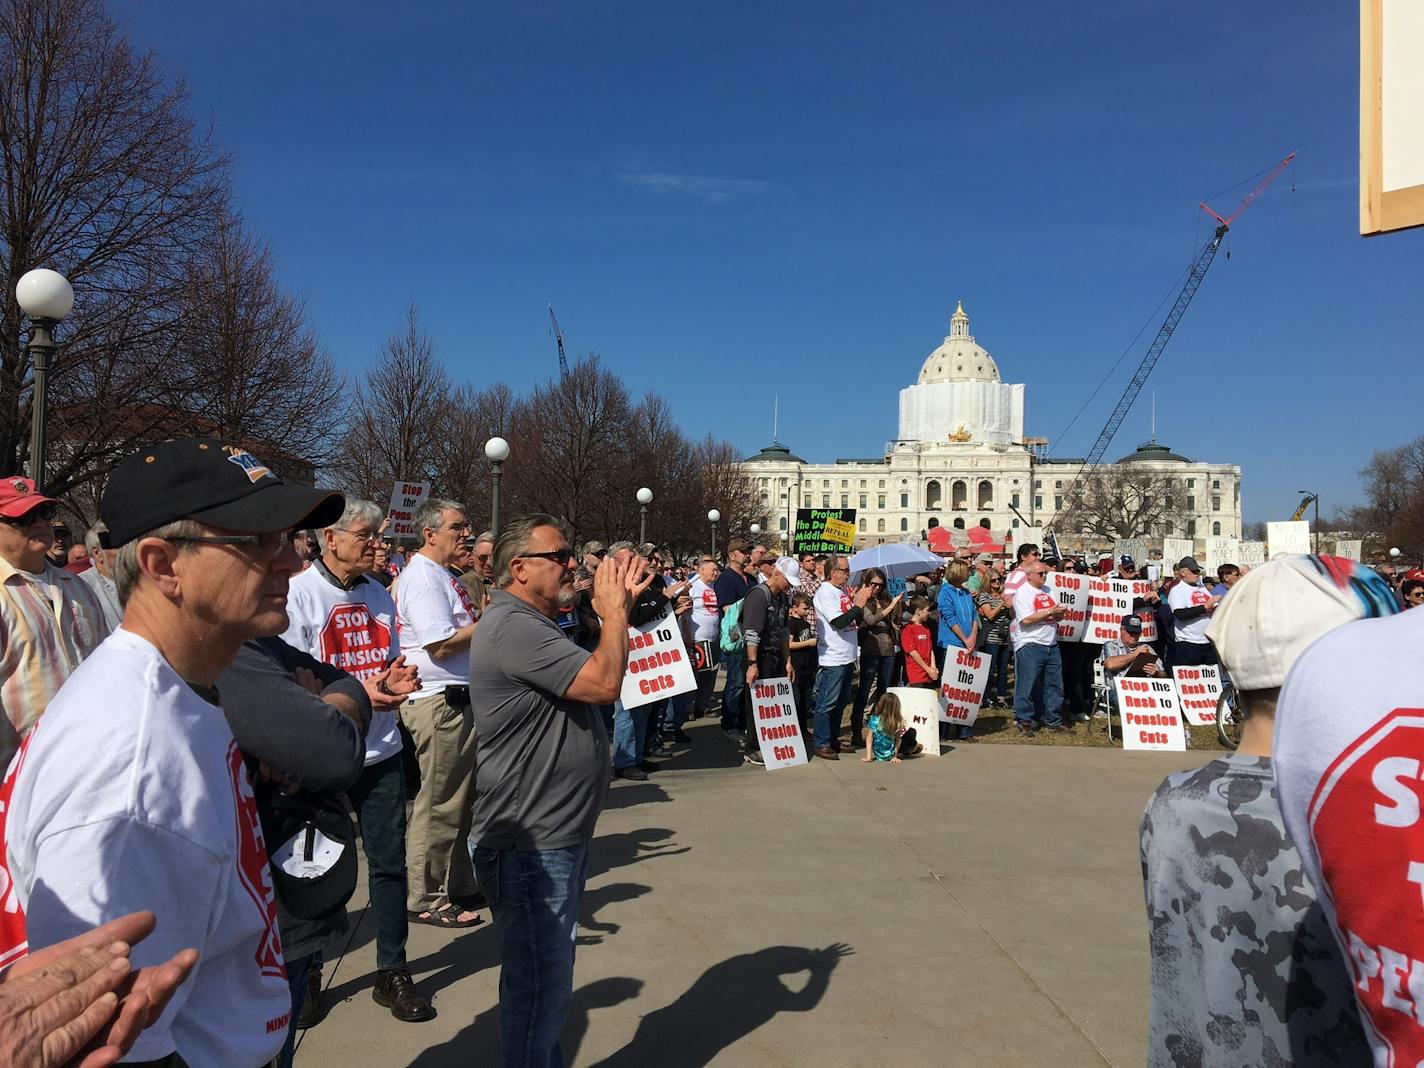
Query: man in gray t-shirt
542	767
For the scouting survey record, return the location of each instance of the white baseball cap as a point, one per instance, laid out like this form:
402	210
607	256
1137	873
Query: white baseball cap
788	566
1269	618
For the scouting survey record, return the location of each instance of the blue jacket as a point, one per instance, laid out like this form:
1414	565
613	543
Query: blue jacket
956	605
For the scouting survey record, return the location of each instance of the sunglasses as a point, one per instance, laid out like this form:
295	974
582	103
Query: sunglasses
876	585
559	556
45	511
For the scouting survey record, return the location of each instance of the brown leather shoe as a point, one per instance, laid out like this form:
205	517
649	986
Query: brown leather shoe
825	752
395	990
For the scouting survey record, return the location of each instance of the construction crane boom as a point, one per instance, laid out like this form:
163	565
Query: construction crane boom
559	337
1164	335
1304	504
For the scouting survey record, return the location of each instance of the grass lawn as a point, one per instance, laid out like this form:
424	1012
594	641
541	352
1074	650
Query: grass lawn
995	726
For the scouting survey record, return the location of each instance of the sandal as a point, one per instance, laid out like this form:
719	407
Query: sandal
448	917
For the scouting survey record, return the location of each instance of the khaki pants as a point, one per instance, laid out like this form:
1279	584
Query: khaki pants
437	852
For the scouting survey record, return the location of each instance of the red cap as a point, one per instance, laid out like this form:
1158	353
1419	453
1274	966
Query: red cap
1414	573
18	496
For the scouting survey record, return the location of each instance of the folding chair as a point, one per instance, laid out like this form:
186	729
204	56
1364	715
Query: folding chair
1102	694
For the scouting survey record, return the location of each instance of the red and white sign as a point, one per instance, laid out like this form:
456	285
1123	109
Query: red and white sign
254	873
1151	716
919	707
1072	593
355	641
1198	689
1111	599
406	497
961	686
778	729
658	666
1365	822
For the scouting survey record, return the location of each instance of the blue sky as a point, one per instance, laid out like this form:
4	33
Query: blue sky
742	199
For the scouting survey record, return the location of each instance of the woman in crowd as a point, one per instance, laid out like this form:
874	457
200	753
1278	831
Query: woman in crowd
958	620
877	647
994	613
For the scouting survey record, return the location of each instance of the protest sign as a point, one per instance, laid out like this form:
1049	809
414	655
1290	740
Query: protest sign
920	709
778	729
894	587
823	530
1133	547
1026	536
1287	537
1103	617
1221	551
406	497
1072	593
1251	554
1151	718
1173	549
961	686
658	666
1350	550
1137	590
1197	691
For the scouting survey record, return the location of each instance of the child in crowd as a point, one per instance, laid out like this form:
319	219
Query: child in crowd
800	619
886	736
915	639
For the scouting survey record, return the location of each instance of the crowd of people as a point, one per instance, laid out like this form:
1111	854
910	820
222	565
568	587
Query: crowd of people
270	664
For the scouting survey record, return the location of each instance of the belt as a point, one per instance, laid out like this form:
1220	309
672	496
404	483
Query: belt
457	696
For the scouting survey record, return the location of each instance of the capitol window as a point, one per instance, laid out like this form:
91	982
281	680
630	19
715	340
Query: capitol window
986	494
933	494
862	500
825	483
1016	524
882	484
825	500
1216	504
1216	529
844	483
880	526
959	494
1014	500
1216	483
904	524
845	500
1191	503
862	526
1191	483
880	501
781	522
1037	502
904	500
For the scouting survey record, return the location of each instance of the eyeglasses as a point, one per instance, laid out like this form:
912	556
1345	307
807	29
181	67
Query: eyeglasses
559	556
45	511
362	535
876	585
269	543
600	553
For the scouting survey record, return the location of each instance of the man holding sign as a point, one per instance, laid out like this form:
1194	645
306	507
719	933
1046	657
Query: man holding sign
542	772
630	725
1036	661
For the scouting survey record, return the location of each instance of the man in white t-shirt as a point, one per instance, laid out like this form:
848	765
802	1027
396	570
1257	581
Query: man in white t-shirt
1192	605
837	646
342	616
131	793
706	623
436	619
1037	664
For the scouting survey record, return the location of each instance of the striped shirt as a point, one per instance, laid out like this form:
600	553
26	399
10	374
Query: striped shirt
49	622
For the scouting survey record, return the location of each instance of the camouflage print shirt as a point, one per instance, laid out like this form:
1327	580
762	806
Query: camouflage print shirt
1245	970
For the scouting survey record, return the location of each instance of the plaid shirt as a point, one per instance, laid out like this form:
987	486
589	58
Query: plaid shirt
42	641
1118	647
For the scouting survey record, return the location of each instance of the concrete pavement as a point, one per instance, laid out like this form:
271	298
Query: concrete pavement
982	908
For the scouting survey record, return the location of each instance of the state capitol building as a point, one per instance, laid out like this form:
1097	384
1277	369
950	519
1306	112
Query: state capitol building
961	460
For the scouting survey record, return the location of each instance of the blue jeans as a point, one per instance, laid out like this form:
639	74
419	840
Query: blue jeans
735	691
297	982
378	797
998	670
677	710
873	668
832	692
534	897
1034	664
630	732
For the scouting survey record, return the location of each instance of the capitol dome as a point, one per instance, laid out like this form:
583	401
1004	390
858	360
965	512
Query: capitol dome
959	359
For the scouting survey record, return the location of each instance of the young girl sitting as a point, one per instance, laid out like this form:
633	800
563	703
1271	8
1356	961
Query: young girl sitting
886	736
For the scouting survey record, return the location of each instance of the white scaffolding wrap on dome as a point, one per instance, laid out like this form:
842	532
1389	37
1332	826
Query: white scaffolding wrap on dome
985	413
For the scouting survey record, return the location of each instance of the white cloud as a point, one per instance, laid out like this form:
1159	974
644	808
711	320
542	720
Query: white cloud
701	187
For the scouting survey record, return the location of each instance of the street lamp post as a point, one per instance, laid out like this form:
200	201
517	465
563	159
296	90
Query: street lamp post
496	451
756	529
46	297
645	498
714	517
1315	540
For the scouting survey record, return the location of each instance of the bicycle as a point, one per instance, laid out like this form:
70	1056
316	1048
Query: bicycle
1229	720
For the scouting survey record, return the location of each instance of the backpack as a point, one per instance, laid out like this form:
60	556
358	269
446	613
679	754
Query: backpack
733	640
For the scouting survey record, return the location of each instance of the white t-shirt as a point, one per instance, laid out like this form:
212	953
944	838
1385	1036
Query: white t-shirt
431	605
1186	595
706	620
1029	601
1348	753
354	630
1016	578
834	647
131	794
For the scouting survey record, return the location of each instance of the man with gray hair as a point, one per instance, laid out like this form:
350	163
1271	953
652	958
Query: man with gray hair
542	772
100	577
630	725
435	617
342	616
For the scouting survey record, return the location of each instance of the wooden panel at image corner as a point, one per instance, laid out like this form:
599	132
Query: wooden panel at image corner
1381	211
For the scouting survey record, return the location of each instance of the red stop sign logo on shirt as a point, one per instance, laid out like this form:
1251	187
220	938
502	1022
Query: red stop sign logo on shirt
253	871
1200	597
354	640
1042	602
1365	820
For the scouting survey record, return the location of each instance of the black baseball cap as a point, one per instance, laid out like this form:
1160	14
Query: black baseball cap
1132	624
203	479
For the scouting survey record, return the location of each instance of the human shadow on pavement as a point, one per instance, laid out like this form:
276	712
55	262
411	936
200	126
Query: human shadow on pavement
728	1002
595	899
627	794
611	851
472	950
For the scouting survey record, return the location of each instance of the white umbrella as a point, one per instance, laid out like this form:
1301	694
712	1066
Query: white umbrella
899	561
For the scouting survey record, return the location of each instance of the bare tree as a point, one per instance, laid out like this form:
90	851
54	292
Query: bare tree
473	416
106	179
398	416
1126	501
1393	512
